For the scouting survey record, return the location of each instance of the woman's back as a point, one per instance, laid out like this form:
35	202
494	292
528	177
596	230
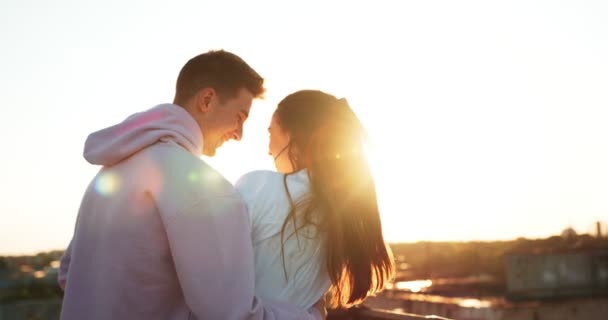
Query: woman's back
301	277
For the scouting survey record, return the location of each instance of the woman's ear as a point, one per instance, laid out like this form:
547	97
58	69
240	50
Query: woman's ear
293	150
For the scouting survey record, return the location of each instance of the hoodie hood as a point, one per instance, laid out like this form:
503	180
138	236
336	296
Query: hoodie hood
165	122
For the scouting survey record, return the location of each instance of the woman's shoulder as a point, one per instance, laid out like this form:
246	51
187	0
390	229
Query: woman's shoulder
261	190
266	183
258	178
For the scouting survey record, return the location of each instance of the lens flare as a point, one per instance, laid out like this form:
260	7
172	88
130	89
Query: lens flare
194	176
107	183
207	176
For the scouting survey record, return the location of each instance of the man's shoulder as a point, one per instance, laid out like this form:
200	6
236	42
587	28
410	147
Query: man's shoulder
183	170
168	151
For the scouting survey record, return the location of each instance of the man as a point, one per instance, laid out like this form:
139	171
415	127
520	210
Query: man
160	234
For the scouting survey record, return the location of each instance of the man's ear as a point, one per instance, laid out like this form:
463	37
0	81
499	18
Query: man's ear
204	98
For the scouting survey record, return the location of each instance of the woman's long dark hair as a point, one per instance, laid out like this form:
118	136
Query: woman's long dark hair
327	139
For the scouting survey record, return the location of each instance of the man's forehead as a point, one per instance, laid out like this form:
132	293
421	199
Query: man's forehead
245	106
241	103
245	99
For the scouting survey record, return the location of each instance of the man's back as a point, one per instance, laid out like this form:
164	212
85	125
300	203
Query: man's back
121	265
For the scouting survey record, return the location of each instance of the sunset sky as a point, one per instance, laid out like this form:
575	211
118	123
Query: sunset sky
489	119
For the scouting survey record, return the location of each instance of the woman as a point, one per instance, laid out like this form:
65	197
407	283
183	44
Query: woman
316	224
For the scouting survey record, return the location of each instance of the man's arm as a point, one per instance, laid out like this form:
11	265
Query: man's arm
213	255
64	264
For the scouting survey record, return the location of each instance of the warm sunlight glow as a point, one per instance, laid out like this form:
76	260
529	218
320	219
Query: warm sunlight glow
474	303
480	128
413	286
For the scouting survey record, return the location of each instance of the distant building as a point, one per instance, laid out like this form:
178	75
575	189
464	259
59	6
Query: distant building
569	234
566	273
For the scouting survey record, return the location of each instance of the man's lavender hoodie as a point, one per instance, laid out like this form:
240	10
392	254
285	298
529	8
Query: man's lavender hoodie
160	234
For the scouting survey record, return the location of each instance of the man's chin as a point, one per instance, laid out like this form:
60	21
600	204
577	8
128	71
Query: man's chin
209	152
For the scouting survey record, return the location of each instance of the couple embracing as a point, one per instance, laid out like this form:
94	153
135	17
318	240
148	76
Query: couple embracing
172	239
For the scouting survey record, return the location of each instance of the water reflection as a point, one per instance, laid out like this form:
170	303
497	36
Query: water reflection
412	286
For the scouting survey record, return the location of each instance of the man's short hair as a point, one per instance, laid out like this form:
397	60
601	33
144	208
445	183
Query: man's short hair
221	70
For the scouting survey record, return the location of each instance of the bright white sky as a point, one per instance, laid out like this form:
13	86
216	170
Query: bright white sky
489	118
